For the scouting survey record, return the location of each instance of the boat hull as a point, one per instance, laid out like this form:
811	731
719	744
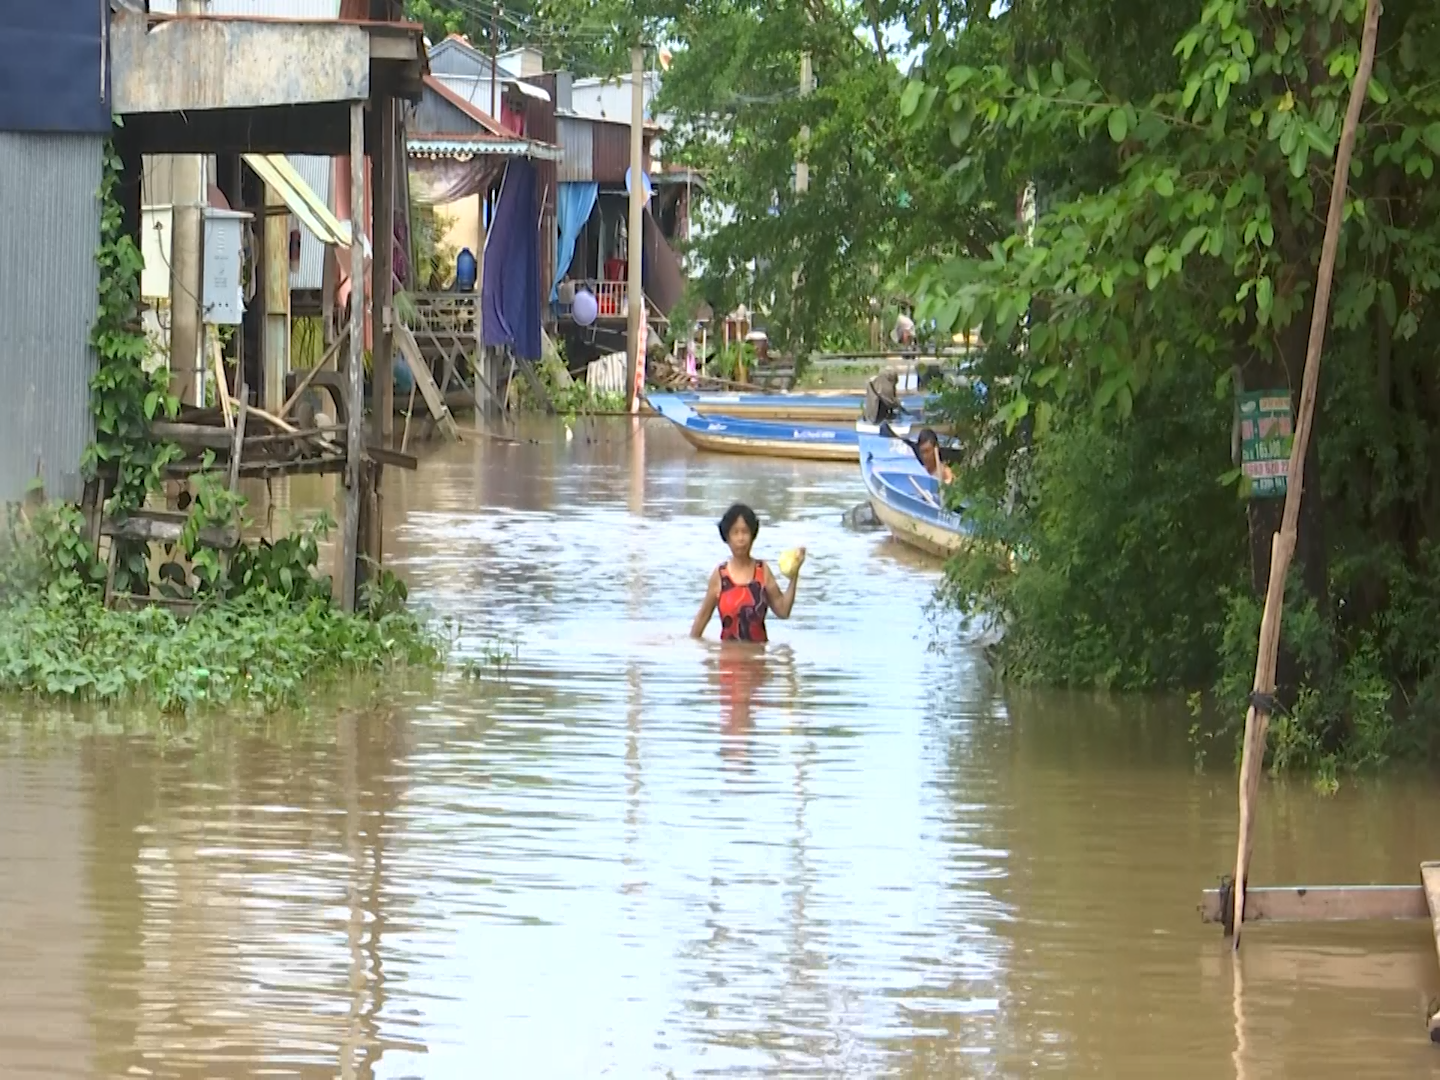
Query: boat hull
728	435
839	408
917	534
778	448
906	499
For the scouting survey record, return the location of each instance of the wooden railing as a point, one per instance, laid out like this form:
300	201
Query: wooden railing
447	313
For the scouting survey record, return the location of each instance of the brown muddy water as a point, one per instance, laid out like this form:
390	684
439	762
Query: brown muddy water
622	853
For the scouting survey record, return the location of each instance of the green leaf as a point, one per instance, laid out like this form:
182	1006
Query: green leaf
1109	387
1431	135
1387	302
1164	186
1118	123
1264	299
1299	159
910	98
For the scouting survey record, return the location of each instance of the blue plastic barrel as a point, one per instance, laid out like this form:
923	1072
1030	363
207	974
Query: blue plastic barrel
465	271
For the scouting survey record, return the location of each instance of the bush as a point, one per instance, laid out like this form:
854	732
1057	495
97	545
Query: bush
1125	542
272	635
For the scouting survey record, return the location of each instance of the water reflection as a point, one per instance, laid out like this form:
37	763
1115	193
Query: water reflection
621	852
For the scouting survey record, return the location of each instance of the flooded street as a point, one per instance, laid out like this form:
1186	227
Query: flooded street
597	848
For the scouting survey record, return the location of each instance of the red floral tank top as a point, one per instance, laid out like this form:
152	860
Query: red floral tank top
743	607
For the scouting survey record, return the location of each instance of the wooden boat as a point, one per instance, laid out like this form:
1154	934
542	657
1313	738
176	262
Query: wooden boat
764	438
905	497
834	406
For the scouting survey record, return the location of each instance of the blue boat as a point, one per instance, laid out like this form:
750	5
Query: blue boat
834	406
905	497
765	438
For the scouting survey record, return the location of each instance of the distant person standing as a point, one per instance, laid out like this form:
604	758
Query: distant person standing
904	332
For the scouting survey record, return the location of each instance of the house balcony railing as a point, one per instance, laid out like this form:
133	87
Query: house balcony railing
612	299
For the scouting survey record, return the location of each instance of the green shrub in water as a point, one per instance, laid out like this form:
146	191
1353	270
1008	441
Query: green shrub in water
272	636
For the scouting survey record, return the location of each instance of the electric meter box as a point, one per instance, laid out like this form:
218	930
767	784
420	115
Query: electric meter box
223	289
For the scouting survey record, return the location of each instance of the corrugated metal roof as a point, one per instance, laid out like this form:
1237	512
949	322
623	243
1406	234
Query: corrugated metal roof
259	9
47	308
577	150
319	175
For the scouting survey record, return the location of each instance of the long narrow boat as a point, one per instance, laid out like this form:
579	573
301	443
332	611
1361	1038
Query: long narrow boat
835	406
905	497
764	438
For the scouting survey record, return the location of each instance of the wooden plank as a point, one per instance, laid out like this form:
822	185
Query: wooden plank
1430	876
392	457
1323	903
237	448
152	530
420	372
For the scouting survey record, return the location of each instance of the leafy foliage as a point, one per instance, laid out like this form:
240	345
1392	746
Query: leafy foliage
1104	524
263	650
124	396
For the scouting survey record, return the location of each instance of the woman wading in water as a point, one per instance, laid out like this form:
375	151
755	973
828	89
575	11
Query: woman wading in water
741	587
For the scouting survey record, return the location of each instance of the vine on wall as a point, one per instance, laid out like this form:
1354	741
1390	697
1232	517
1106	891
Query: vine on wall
124	396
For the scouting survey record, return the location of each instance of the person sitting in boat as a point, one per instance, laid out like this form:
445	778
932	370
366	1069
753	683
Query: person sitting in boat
927	448
882	398
741	587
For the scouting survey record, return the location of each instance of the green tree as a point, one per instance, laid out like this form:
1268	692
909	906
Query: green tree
1187	241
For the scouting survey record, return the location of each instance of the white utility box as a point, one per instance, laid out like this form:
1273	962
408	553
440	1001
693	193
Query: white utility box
223	291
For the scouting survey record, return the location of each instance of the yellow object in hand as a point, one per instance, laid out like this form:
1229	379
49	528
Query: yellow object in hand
790	561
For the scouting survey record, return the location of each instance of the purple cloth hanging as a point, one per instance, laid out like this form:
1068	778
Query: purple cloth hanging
510	292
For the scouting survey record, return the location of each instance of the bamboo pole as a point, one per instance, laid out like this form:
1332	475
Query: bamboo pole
1282	548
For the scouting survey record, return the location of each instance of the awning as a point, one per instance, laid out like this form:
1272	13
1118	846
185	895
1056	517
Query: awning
301	199
463	148
528	89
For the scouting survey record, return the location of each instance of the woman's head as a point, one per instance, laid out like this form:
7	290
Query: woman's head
738	527
928	443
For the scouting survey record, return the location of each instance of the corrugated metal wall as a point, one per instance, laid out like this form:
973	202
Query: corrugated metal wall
48	286
319	173
578	147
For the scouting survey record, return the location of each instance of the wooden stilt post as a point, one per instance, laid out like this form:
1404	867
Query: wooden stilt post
1257	718
354	447
383	178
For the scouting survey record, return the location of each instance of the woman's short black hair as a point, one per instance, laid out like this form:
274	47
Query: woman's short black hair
927	437
739	512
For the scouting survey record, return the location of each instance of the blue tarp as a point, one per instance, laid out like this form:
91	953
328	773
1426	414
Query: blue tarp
54	70
573	206
510	291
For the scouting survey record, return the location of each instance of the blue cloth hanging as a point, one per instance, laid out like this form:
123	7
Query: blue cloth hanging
573	205
510	289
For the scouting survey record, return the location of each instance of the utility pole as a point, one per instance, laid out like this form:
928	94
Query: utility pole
637	226
187	187
495	60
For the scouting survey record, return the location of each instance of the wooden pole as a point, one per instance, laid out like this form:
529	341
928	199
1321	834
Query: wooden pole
356	373
636	294
382	269
1282	549
495	61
